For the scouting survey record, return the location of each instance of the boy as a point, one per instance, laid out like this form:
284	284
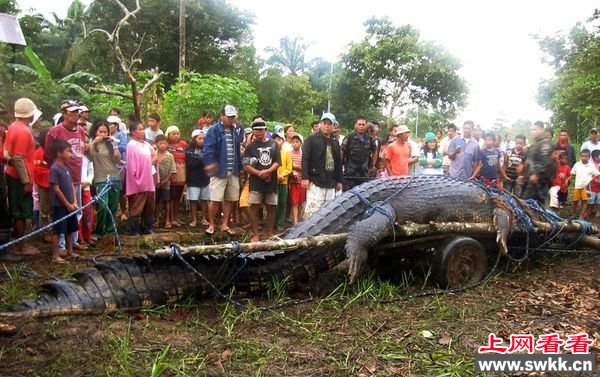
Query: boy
63	198
283	173
513	165
488	166
560	181
584	172
595	186
297	193
166	171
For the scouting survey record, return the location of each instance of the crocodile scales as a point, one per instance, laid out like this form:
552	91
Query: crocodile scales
367	213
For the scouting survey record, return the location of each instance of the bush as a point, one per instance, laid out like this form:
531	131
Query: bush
196	93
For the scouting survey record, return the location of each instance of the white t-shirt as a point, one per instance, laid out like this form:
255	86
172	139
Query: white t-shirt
590	146
151	135
584	174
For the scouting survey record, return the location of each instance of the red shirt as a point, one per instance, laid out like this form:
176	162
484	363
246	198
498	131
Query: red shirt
76	139
19	142
41	170
398	154
178	151
595	184
562	173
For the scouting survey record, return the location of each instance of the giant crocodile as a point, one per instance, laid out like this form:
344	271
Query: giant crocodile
368	213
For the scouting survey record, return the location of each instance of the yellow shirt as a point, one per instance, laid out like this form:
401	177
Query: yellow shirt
285	169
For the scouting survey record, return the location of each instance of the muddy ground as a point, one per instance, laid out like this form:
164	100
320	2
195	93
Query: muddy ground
345	331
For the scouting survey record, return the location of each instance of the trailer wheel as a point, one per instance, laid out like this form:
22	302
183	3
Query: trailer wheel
459	262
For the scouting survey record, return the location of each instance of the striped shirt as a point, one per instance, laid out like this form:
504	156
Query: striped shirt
229	139
296	164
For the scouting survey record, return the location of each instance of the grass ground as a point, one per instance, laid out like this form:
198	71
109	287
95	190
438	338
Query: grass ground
345	331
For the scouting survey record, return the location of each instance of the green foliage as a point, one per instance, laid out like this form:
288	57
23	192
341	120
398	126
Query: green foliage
392	67
289	56
427	121
9	6
101	103
574	94
195	93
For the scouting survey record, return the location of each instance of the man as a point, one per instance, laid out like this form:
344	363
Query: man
336	133
223	163
539	166
74	134
399	154
592	144
20	147
314	127
444	144
476	134
261	160
463	152
321	166
563	145
153	128
359	154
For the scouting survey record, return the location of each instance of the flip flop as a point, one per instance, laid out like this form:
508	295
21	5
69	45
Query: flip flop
6	329
209	231
204	223
168	226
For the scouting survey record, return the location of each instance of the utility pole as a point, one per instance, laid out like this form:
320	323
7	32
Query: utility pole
329	90
181	37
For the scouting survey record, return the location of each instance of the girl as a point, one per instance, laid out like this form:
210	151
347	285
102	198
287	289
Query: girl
381	170
289	131
105	156
177	148
196	179
430	159
41	173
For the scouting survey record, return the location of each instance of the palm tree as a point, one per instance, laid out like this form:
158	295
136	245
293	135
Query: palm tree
290	55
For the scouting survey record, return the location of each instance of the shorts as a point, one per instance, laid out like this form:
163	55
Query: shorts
297	194
64	227
226	188
245	195
198	193
176	192
554	203
20	202
269	198
163	194
580	194
594	198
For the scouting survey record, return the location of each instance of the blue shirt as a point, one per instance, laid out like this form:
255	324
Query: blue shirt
59	175
463	163
489	162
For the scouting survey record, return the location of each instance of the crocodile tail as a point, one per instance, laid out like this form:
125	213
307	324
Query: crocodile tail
123	284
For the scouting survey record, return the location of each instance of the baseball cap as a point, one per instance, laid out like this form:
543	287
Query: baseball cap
24	108
113	119
69	105
229	111
429	136
594	130
278	128
196	132
403	129
299	137
83	108
258	124
329	116
37	114
247	130
279	134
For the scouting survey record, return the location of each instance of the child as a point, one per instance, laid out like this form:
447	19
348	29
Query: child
41	173
430	159
488	167
283	173
177	148
196	179
381	170
595	186
514	160
63	198
297	193
166	172
560	180
583	171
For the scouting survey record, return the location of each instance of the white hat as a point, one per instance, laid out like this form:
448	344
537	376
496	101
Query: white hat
24	108
196	132
37	114
402	129
113	119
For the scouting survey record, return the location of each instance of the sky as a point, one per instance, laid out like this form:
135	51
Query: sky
501	62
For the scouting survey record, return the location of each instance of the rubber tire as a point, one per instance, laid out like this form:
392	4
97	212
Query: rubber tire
459	262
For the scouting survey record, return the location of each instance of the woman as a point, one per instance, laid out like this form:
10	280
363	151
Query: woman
177	148
196	179
140	179
430	159
105	156
289	131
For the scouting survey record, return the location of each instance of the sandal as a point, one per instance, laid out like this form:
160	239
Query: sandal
193	224
204	223
6	329
209	231
59	260
168	226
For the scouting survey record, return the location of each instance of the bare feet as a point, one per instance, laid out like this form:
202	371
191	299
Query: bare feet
6	329
193	223
73	254
58	260
255	238
26	250
204	222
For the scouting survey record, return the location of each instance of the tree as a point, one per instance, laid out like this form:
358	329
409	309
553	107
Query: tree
128	61
574	94
289	56
427	121
195	93
395	68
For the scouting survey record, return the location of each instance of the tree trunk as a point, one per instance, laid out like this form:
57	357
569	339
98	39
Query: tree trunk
181	37
137	100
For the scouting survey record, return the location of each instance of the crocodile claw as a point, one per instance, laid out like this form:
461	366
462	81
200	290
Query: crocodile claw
357	257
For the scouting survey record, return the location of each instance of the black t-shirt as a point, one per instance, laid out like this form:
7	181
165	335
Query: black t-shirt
262	155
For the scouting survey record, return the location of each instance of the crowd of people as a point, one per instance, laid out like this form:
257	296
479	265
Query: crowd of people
229	174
